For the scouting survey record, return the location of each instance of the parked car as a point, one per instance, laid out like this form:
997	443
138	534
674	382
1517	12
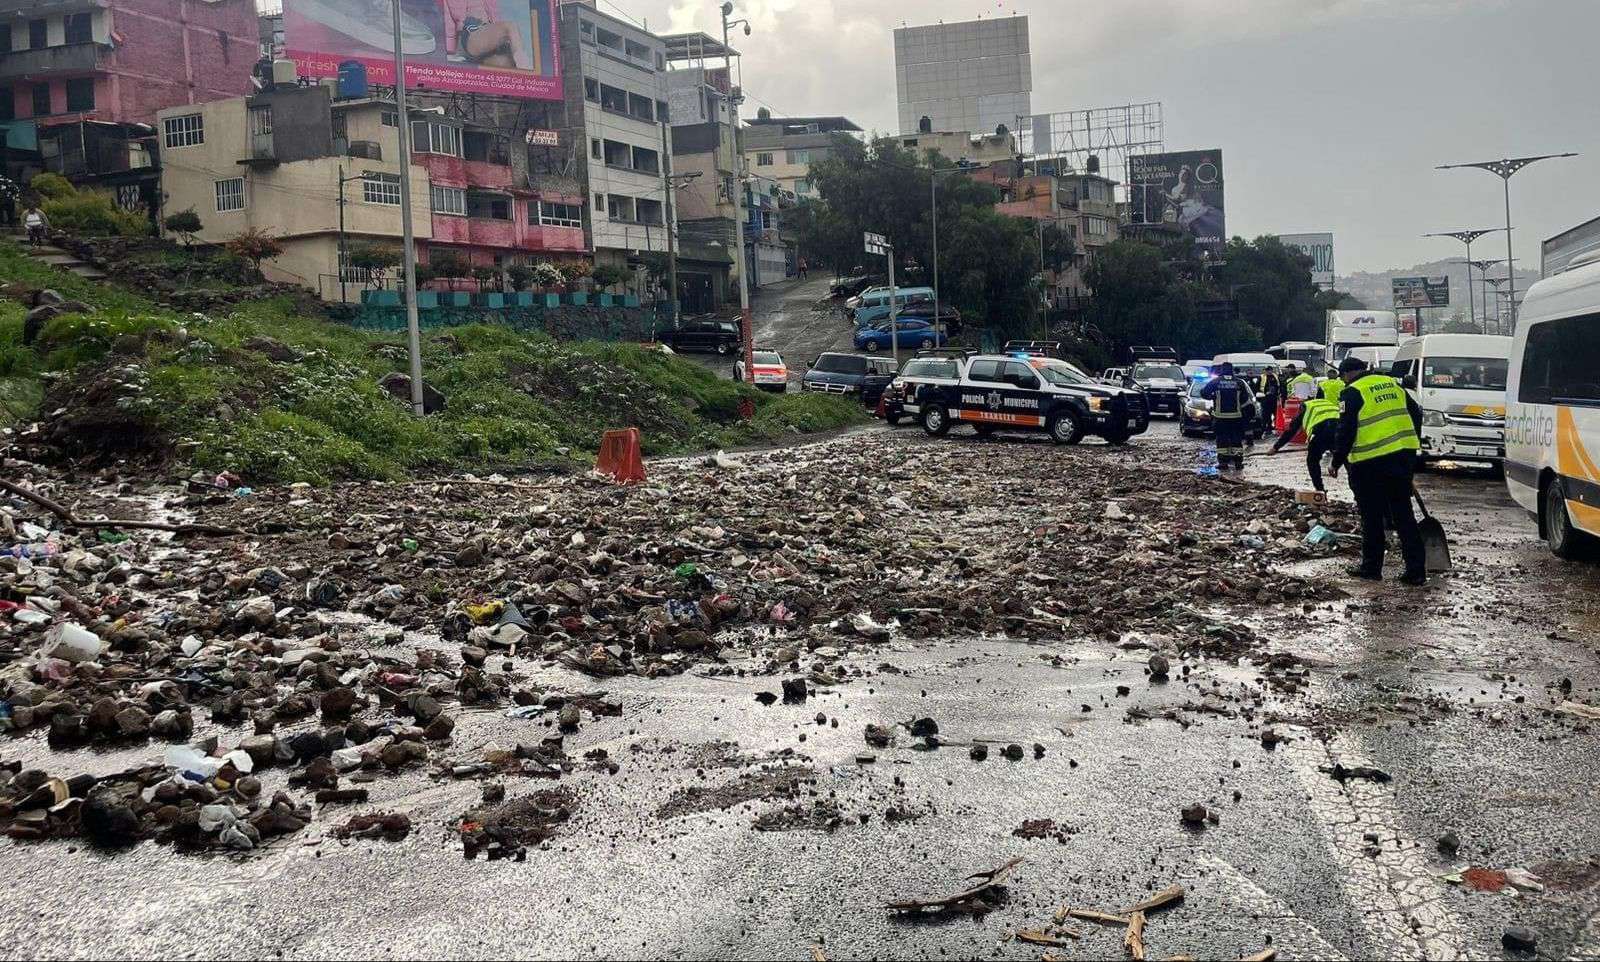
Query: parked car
913	333
771	373
719	336
1196	420
874	304
929	370
1114	375
854	285
836	373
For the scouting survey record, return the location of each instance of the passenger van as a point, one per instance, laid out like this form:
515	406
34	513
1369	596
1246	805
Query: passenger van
1246	364
1459	381
1377	358
1553	408
875	304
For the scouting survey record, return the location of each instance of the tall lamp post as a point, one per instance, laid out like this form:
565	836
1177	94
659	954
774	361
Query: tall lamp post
1499	316
408	241
1505	169
746	325
1467	237
1483	275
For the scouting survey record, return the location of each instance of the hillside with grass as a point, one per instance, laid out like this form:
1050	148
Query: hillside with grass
274	395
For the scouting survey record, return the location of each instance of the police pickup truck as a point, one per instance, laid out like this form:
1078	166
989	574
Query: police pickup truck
1021	392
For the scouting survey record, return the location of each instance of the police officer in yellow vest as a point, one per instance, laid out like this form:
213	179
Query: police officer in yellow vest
1379	425
1319	419
1332	388
1303	385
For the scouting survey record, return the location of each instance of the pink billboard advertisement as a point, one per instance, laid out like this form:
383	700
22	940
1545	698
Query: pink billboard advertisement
505	47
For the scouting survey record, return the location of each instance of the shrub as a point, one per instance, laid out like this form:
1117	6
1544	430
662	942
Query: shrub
448	264
487	277
546	274
185	223
521	276
93	214
609	275
255	245
575	271
379	259
52	186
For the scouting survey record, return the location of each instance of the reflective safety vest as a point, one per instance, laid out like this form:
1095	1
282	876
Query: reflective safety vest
1385	424
1302	386
1318	410
1332	388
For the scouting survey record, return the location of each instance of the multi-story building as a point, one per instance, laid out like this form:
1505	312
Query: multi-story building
89	74
705	163
1082	205
784	148
769	251
322	175
614	75
973	75
960	145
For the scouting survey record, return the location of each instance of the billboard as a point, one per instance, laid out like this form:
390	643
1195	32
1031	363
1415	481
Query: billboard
1318	247
504	47
1184	190
1421	292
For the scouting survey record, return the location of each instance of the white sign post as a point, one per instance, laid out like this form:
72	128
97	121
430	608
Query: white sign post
878	244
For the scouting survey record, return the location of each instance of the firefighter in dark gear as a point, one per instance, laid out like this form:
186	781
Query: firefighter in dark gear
1232	404
1379	431
1319	418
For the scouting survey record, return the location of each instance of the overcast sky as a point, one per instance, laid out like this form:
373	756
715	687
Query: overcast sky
1331	114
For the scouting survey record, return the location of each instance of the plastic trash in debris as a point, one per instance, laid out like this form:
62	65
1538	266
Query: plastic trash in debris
1114	511
30	616
224	821
1321	535
486	612
525	711
244	492
781	614
686	570
70	643
1252	541
32	550
190	762
109	536
409	544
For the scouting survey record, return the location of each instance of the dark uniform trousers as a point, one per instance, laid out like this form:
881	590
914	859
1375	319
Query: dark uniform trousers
1382	487
1321	442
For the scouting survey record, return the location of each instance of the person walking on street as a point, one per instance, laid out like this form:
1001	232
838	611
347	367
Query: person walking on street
1231	400
1319	419
1301	385
1379	427
36	223
1268	392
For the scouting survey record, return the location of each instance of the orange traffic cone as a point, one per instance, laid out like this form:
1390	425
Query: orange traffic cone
620	457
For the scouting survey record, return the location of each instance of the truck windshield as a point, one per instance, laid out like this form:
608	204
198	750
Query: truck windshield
1059	373
1144	372
1465	373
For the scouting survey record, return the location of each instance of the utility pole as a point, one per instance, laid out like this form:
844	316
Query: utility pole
344	253
1505	169
878	244
408	242
746	324
672	244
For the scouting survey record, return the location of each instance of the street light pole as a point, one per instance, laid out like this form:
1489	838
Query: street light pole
408	242
1504	169
1467	237
1483	275
746	324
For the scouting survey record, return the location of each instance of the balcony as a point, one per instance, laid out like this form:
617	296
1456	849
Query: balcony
75	58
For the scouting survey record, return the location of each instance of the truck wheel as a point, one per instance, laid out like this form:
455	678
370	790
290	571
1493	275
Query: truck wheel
984	430
723	349
1118	438
1065	428
891	418
935	420
1566	542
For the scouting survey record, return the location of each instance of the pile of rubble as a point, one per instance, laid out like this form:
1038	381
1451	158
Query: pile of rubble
338	635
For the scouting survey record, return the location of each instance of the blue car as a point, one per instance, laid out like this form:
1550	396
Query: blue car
915	334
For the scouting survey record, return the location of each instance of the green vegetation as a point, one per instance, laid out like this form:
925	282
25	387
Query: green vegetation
90	212
198	385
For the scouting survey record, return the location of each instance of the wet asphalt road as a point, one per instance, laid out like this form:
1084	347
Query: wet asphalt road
1445	689
798	320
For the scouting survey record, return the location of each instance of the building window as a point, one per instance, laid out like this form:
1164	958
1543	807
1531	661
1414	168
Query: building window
5	38
595	150
556	215
8	104
188	130
661	61
129	198
38	34
613	99
591	90
763	160
230	195
450	200
80	94
646	161
41	99
620	207
488	206
261	120
651	212
661	111
1097	227
641	108
586	31
798	156
389	118
380	188
600	203
485	147
80	27
432	138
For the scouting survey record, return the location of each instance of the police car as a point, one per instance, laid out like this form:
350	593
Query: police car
1021	392
931	368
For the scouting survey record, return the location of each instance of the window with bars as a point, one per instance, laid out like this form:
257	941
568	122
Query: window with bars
450	200
389	118
41	100
488	206
230	195
261	120
80	94
558	215
188	130
79	27
763	160
380	189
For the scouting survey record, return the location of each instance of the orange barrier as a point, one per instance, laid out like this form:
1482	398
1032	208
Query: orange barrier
1287	412
882	410
620	457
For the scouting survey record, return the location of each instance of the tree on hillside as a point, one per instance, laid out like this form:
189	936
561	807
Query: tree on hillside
1144	297
1271	285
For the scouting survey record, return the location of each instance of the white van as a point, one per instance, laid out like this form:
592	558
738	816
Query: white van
1553	407
1246	363
1459	381
1377	358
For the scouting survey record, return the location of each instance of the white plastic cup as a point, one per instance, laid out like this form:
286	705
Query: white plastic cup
69	642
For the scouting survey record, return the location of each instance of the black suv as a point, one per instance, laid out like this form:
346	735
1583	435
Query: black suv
849	374
719	336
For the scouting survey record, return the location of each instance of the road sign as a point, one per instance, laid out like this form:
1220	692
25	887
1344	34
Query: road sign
875	243
1421	292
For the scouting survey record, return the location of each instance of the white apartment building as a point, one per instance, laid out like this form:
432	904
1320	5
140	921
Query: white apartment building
614	75
972	76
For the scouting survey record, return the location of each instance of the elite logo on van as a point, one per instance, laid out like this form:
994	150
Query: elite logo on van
1527	428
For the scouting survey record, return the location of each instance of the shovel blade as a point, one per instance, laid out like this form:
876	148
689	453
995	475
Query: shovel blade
1435	546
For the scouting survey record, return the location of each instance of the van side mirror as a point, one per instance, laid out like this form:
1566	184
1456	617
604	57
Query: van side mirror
1409	382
